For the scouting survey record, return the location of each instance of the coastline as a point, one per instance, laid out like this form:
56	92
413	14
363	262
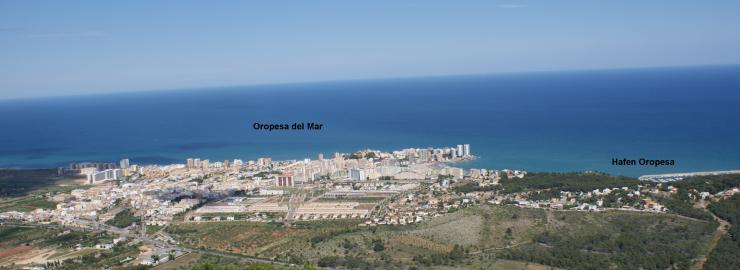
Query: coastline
515	127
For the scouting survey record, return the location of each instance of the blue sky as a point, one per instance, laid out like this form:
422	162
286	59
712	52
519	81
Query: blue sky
52	48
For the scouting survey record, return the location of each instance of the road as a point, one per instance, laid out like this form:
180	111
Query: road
97	226
721	231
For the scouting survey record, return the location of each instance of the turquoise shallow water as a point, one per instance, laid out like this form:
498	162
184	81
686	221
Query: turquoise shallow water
557	121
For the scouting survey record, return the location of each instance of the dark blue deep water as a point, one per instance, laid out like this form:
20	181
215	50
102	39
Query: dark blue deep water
554	121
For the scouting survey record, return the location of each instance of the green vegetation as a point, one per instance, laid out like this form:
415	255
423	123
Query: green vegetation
681	204
553	183
347	261
197	180
25	204
261	239
725	254
152	229
378	245
27	190
709	183
729	209
621	240
123	219
567	239
72	238
20	242
100	259
584	181
14	183
208	266
563	257
473	186
445	177
483	236
265	174
455	256
20	236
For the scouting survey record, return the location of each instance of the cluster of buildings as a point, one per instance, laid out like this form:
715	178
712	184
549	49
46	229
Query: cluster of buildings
397	187
158	193
430	200
338	201
350	185
624	198
97	172
376	187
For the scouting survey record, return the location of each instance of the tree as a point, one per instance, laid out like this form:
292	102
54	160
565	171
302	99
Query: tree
330	261
378	245
457	253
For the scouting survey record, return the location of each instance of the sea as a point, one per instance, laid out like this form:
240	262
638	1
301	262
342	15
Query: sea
543	121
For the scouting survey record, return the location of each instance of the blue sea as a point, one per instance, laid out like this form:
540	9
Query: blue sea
548	121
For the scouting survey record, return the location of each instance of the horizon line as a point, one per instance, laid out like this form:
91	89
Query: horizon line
410	77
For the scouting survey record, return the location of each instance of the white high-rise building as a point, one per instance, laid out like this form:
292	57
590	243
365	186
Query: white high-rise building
109	174
459	150
357	174
466	150
264	161
124	163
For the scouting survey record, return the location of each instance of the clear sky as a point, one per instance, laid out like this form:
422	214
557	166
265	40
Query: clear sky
51	48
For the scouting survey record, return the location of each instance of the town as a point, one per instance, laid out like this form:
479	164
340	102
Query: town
370	187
